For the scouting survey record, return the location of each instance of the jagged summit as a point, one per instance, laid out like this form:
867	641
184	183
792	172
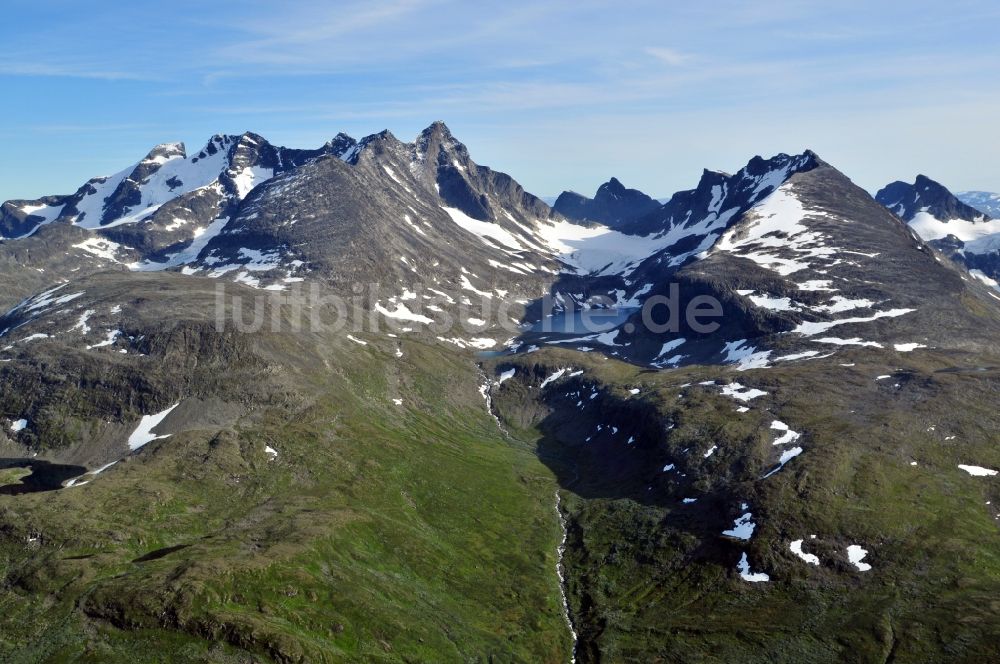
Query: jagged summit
166	151
438	141
928	196
719	197
438	147
612	187
759	165
341	145
437	129
613	205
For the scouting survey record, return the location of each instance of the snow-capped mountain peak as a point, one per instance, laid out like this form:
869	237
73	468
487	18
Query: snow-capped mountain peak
785	241
926	197
164	152
229	165
963	232
341	145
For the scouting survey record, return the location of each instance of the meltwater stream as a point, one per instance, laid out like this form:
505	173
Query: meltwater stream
485	390
561	573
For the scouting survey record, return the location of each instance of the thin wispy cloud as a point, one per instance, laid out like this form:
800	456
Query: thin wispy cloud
668	56
306	70
64	70
323	23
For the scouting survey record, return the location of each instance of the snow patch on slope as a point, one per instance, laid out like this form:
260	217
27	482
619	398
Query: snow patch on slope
776	227
143	433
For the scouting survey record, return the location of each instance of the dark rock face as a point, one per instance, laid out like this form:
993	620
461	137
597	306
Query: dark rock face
19	218
378	212
573	205
613	205
478	191
906	200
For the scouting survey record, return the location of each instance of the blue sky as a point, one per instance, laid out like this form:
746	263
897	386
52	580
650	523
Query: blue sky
559	94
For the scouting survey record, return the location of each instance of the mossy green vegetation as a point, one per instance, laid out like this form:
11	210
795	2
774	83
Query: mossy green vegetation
652	578
327	501
379	532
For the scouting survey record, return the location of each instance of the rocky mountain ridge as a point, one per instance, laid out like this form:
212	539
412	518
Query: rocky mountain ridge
373	211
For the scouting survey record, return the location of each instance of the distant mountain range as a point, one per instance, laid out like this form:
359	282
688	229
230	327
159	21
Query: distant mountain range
984	201
551	200
613	205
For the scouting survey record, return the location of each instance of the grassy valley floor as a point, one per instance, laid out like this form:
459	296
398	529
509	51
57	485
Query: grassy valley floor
378	532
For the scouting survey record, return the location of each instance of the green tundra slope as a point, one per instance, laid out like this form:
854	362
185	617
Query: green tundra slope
323	500
374	532
651	575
